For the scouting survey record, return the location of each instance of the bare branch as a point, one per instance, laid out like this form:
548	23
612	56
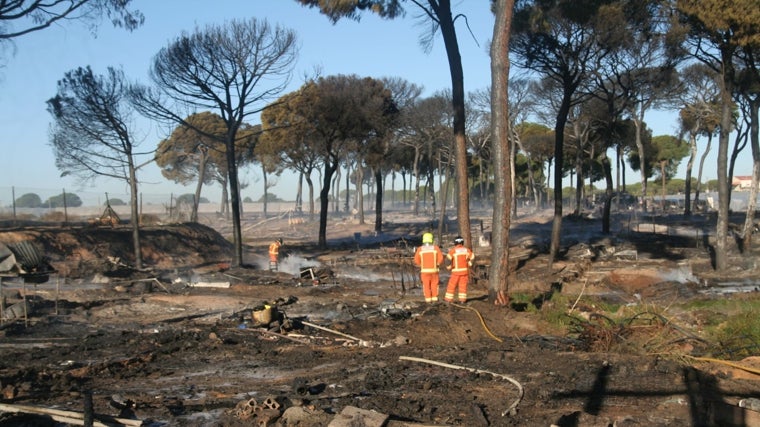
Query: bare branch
36	15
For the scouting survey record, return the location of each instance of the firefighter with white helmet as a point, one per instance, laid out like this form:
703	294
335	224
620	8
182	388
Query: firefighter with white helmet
429	257
460	259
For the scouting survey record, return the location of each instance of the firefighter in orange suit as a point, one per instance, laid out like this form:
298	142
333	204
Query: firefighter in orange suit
460	259
428	257
274	254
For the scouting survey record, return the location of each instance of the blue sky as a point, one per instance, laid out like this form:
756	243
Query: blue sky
372	47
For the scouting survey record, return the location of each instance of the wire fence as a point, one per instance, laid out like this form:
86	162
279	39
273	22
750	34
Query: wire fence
46	204
64	206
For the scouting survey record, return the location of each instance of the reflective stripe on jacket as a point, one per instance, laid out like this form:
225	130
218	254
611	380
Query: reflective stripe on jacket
428	257
461	259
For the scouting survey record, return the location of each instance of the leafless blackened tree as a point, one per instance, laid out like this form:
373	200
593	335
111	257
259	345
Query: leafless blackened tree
233	69
92	133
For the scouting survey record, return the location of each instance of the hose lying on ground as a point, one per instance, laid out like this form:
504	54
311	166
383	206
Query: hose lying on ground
482	321
511	410
727	363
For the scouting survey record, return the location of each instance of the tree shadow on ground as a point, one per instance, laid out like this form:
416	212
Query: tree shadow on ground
707	406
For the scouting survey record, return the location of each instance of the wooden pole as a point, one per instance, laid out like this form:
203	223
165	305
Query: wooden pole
69	417
65	209
57	292
88	412
13	195
2	301
23	299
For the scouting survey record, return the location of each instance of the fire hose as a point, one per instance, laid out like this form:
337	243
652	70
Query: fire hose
727	363
482	321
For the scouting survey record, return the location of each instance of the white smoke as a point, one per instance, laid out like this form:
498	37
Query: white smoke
682	274
294	264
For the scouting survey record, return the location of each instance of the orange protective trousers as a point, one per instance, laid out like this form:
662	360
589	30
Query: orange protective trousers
457	280
430	282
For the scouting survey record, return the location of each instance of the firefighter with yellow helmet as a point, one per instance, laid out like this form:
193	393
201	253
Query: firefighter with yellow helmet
429	257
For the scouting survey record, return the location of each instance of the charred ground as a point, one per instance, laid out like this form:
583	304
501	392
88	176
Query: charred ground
173	345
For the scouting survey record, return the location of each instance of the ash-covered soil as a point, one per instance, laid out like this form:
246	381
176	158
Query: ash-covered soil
177	342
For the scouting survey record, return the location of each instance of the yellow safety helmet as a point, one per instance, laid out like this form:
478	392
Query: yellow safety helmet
427	238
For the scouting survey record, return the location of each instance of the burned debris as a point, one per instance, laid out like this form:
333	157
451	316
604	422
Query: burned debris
328	339
22	259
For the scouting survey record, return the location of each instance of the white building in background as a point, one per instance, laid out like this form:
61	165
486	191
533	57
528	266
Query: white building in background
739	200
741	183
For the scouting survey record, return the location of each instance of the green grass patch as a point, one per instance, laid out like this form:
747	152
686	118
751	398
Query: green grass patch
730	304
553	308
730	324
726	327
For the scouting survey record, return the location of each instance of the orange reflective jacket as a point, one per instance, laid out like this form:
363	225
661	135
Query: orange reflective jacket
428	258
461	259
274	250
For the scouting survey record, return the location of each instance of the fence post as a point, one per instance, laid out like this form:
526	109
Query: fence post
13	196
2	301
65	209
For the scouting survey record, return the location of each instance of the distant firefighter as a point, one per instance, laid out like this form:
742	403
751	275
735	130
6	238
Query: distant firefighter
274	254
